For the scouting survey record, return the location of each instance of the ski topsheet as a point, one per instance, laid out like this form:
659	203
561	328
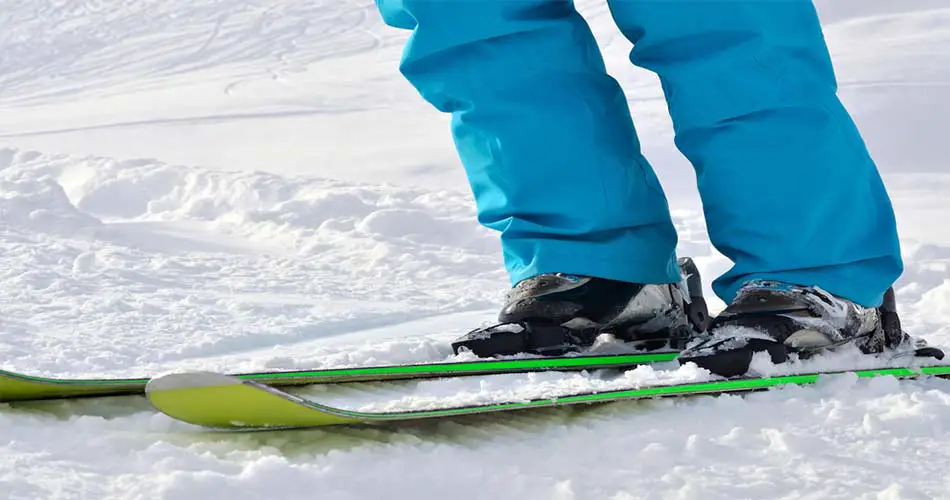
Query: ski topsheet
20	387
222	401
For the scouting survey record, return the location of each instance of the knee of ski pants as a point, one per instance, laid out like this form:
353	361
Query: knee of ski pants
394	14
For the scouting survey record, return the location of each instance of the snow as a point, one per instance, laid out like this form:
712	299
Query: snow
237	185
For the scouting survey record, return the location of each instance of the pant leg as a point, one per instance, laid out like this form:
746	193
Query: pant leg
544	133
788	188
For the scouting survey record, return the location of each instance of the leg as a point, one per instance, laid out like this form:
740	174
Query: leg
789	190
544	134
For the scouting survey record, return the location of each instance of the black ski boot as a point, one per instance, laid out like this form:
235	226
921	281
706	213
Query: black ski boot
553	314
783	319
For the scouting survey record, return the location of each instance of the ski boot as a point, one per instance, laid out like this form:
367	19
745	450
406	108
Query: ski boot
782	319
554	314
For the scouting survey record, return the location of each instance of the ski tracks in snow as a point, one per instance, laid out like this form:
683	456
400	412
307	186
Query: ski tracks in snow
161	41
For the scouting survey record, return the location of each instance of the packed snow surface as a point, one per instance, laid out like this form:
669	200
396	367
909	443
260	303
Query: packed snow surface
238	185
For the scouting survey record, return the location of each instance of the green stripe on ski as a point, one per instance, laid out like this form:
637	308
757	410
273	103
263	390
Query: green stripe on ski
19	387
221	401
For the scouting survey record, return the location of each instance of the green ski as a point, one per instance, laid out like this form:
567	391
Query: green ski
222	401
19	387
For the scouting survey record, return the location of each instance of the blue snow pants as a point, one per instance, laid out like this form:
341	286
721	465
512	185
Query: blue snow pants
789	190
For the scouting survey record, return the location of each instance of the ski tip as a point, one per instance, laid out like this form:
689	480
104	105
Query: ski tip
188	380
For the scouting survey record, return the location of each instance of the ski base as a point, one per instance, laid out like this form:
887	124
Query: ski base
21	387
226	402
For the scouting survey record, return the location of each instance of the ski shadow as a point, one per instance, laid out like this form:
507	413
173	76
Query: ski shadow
109	407
467	431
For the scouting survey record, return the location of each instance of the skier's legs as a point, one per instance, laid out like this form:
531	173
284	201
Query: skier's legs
789	190
544	134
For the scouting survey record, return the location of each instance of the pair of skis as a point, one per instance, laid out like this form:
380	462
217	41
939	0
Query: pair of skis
254	400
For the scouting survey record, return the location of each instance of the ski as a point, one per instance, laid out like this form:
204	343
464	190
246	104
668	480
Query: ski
21	387
222	401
